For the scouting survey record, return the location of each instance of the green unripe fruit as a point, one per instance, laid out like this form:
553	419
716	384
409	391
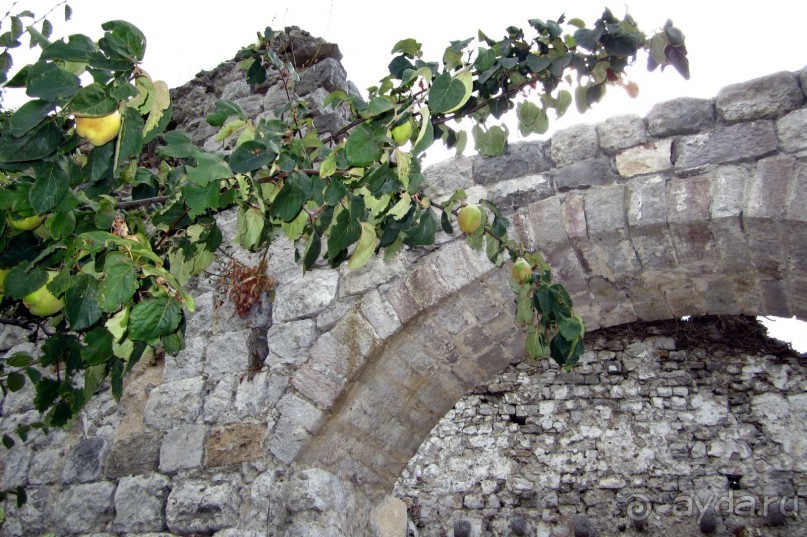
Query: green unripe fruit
469	218
522	270
42	302
27	224
402	133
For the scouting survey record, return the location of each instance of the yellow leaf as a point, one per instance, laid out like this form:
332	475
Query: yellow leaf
364	248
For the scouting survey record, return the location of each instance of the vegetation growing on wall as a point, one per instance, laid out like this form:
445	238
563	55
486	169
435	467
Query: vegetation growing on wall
95	249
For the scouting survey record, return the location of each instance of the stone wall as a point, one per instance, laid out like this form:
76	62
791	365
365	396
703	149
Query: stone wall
642	435
698	208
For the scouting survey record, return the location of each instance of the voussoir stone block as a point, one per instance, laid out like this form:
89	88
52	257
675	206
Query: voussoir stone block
574	144
762	98
621	132
584	174
792	131
653	157
686	115
727	145
518	160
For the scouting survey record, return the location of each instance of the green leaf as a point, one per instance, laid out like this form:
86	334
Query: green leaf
50	186
449	93
409	47
378	105
312	250
154	318
361	148
364	247
490	143
77	48
8	443
61	225
29	116
130	139
21	282
50	82
92	101
118	323
536	63
250	224
422	234
571	328
81	302
209	167
251	156
289	202
20	359
15	381
119	282
224	110
344	232
123	39
98	346
160	110
39	143
536	344
531	118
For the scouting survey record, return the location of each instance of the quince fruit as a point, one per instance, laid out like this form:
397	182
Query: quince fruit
469	218
42	302
402	133
522	270
99	130
27	223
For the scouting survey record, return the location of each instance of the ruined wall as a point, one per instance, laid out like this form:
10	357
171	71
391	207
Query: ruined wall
698	208
641	436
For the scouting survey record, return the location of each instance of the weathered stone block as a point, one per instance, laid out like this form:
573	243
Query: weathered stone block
584	174
328	74
138	454
305	296
85	461
139	503
174	403
198	506
621	132
289	342
74	513
605	210
762	98
727	145
188	363
652	157
182	448
449	175
517	161
766	194
380	314
511	194
792	131
318	386
15	468
228	354
234	444
574	144
686	115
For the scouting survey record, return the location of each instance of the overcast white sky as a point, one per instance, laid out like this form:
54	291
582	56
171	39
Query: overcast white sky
727	42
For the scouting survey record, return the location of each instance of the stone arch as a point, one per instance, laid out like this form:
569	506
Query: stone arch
682	223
